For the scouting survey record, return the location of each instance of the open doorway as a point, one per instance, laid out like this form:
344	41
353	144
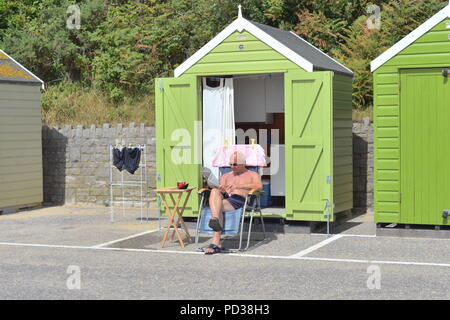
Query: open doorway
259	114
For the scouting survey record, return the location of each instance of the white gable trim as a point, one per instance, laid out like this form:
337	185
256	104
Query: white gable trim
410	38
241	24
31	73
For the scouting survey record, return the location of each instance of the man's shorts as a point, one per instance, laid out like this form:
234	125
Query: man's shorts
237	201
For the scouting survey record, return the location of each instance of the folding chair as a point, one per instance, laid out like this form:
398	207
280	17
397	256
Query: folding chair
233	222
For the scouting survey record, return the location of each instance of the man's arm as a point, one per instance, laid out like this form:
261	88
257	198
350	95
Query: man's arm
223	182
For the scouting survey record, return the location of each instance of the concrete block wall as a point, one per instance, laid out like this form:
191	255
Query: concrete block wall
76	164
363	164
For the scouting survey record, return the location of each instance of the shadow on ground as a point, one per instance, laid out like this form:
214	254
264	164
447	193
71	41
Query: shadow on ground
358	222
152	241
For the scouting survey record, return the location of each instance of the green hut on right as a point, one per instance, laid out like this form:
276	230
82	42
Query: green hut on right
412	127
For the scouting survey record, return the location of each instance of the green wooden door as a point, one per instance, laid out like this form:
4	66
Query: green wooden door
425	146
177	113
308	133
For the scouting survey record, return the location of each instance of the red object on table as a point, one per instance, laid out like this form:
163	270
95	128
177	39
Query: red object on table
181	185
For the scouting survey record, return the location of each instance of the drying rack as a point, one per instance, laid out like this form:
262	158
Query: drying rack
122	183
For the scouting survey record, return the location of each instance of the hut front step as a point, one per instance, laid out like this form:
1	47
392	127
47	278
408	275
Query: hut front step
19	208
413	230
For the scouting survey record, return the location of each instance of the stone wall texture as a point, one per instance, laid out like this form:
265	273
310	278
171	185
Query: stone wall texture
363	164
77	164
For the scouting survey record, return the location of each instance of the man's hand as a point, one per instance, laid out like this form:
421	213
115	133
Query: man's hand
229	188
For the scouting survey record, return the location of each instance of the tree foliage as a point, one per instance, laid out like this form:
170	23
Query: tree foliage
123	45
360	45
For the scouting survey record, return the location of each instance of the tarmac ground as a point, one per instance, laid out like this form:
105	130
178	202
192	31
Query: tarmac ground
76	252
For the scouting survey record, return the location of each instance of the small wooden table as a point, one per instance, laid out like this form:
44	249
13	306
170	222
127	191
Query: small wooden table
171	192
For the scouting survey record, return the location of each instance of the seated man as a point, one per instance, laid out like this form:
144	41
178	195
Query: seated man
231	194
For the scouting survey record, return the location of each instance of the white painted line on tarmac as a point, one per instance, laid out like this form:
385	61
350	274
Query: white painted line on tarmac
409	263
359	235
345	235
394	238
316	246
122	239
92	248
427	264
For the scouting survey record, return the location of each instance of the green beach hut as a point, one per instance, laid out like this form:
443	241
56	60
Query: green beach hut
411	135
280	82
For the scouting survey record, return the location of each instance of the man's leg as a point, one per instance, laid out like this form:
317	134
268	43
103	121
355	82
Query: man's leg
217	205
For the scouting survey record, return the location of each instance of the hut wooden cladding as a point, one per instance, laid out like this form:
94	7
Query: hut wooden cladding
411	136
20	136
317	111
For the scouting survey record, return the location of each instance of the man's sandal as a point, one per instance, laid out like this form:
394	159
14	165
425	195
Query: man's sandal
214	224
215	248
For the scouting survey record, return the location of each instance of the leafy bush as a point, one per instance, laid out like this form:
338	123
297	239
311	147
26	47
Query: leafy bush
111	62
360	45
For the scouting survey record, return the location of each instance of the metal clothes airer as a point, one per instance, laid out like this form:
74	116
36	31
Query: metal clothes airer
141	182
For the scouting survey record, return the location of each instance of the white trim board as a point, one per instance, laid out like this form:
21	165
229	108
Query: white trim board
410	38
241	24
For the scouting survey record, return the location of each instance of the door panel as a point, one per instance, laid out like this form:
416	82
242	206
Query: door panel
425	146
177	133
308	145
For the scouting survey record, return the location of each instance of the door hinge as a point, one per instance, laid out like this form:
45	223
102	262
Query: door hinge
158	177
328	179
161	87
400	197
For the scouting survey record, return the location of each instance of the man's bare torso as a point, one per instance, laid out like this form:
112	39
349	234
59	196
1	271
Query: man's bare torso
232	182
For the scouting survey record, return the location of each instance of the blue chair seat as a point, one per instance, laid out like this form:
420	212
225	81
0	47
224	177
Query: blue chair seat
232	220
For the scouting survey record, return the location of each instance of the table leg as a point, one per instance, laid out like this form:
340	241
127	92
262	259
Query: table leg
175	225
171	219
173	232
180	239
180	217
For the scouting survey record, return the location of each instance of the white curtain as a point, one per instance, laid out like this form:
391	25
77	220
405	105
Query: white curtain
218	121
228	127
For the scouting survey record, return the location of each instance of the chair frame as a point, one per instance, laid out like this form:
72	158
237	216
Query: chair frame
256	208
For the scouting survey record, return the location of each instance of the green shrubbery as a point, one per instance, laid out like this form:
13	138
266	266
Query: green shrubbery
104	71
